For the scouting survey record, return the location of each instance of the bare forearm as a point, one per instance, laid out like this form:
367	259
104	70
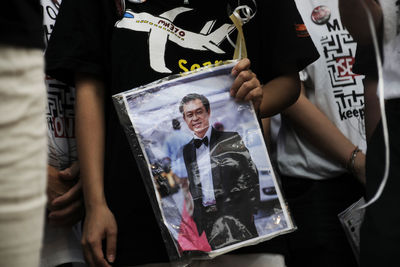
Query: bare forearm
354	17
90	137
312	124
279	94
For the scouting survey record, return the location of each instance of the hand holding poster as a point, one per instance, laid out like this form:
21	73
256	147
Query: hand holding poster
204	162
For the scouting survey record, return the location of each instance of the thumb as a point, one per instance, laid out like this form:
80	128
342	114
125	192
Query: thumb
111	245
71	172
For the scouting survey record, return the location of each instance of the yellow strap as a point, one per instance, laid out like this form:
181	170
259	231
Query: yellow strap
240	50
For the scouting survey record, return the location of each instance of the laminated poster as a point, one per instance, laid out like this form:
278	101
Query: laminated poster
204	162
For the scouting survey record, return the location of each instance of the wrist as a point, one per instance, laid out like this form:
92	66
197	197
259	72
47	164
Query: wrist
95	202
359	161
351	162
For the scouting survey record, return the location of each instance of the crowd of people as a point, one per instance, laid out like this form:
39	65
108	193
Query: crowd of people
74	196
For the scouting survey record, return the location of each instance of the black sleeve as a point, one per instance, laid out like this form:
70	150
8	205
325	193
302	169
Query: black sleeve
80	40
278	40
21	24
365	61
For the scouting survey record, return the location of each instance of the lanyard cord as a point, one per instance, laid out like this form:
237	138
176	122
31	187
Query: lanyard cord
382	109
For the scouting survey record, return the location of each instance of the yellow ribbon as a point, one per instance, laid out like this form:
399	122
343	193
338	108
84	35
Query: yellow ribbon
240	49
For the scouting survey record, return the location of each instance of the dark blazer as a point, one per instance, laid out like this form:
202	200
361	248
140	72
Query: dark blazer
236	189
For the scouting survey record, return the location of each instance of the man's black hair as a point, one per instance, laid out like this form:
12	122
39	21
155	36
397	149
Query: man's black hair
190	97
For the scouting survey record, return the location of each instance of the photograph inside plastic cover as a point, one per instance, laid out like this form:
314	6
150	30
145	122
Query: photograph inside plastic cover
208	162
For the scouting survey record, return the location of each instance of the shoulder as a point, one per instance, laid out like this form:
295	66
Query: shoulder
80	39
188	145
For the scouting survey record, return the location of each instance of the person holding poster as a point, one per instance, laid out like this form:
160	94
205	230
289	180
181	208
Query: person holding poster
103	49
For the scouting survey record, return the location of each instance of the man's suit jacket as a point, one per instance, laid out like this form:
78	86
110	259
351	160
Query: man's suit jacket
235	181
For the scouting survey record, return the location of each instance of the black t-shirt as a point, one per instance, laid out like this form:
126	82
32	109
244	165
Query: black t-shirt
155	39
21	23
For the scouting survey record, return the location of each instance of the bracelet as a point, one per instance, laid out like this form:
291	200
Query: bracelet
352	160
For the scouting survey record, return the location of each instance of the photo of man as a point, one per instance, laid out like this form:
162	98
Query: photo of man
204	162
223	179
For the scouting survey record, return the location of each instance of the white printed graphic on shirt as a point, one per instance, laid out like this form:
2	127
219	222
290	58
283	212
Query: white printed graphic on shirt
339	51
60	104
161	29
339	54
50	12
60	124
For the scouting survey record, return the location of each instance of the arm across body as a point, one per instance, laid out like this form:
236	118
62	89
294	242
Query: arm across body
312	124
99	223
